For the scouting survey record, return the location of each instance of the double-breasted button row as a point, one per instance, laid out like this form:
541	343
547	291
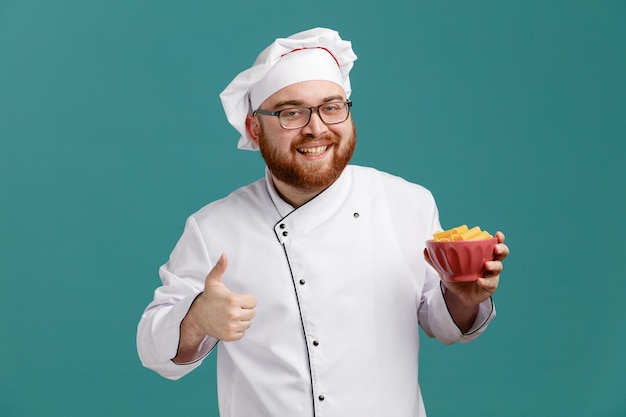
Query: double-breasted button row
302	281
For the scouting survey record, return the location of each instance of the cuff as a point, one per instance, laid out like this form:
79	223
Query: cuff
486	313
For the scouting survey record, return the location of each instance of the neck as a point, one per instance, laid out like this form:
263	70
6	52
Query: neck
296	197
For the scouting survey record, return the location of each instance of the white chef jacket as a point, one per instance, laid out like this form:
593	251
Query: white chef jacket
341	286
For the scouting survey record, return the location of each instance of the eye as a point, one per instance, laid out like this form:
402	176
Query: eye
292	113
332	107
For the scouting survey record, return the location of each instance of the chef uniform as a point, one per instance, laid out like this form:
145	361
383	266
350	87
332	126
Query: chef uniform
341	288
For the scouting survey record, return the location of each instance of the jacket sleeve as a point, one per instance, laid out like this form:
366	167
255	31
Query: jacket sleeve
182	278
436	320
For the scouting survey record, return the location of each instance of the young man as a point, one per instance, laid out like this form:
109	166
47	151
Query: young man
315	312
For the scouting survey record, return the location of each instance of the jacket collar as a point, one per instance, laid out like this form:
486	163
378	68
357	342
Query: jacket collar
316	211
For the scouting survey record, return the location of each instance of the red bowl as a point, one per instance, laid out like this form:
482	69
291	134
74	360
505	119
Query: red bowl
461	260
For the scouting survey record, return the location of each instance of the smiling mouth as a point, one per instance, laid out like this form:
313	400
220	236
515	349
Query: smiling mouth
314	151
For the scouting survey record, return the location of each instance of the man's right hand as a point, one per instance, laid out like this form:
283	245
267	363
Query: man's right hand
219	312
216	312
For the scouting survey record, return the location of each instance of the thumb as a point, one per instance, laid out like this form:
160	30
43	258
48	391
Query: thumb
215	276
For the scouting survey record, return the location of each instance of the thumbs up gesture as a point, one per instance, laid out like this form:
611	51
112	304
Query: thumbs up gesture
225	314
218	312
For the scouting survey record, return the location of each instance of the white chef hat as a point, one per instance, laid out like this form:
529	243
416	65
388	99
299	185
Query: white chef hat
315	54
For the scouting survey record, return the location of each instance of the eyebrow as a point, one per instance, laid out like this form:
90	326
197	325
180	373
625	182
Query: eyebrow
300	103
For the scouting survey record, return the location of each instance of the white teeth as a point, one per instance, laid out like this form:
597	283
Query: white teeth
313	151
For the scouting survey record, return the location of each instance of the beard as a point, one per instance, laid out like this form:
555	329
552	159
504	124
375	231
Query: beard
311	176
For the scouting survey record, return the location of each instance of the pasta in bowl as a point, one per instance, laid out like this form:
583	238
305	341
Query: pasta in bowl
459	254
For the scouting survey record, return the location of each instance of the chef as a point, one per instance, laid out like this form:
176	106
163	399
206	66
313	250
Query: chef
310	283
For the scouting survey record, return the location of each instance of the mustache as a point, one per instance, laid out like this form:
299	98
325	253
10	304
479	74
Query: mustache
326	137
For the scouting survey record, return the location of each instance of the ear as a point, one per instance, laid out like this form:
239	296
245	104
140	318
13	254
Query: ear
253	127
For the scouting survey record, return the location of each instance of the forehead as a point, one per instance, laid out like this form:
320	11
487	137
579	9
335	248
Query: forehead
306	93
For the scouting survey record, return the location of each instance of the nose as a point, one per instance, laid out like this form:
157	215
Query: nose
315	127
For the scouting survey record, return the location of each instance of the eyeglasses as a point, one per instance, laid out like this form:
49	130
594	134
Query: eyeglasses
331	113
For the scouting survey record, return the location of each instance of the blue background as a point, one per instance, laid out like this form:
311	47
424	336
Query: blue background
112	133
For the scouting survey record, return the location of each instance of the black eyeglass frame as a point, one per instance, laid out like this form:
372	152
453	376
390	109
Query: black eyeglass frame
348	103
